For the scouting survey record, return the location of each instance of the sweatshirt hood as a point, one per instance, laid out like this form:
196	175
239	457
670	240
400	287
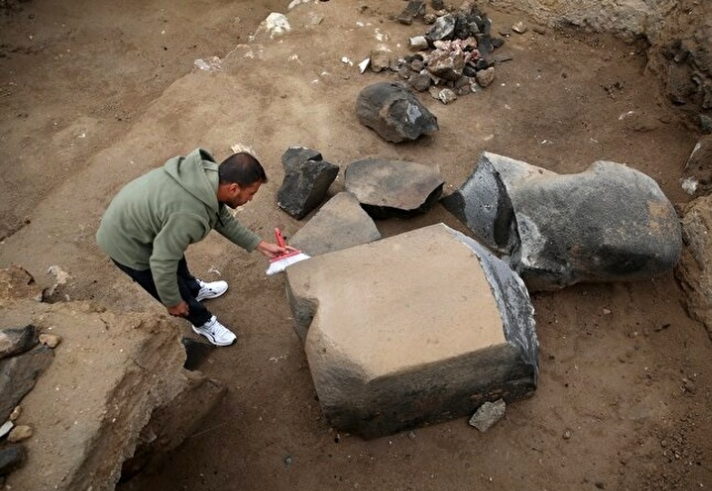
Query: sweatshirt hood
197	173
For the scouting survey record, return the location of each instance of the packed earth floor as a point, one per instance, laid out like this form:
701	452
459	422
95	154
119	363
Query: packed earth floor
95	93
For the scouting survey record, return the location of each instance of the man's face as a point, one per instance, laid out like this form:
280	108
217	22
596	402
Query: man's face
239	195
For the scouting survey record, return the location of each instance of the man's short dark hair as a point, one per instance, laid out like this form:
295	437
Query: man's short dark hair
241	168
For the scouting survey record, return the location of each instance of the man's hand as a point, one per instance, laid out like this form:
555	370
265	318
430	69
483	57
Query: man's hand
180	310
272	250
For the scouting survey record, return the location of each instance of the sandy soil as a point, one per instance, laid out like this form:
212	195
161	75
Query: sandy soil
96	94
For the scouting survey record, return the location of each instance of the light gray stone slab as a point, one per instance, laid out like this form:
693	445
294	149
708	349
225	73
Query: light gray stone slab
339	224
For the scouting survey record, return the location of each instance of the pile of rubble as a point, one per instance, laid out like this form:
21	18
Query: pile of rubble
453	58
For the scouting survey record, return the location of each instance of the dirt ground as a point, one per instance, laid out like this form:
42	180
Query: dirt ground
96	93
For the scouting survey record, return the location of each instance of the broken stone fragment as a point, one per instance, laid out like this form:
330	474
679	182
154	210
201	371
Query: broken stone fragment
306	181
520	27
339	224
443	28
380	59
50	340
394	112
420	82
485	77
412	330
609	223
18	375
17	340
415	8
488	414
447	65
20	433
393	188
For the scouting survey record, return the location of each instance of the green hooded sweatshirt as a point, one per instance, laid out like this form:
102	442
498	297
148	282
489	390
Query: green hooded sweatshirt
151	222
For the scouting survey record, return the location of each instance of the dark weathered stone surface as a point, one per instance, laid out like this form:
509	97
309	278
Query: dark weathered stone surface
306	181
339	224
19	374
386	354
393	188
482	203
294	157
11	458
17	340
444	28
393	111
610	223
414	9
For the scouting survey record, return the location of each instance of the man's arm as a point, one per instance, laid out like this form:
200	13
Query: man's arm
235	232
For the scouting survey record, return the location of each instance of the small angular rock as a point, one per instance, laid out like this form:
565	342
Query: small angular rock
306	182
443	28
50	340
19	434
414	9
488	415
485	77
380	59
446	65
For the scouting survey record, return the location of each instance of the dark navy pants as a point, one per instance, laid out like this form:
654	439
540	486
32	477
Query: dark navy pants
187	285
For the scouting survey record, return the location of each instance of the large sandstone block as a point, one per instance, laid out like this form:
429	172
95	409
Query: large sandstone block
412	330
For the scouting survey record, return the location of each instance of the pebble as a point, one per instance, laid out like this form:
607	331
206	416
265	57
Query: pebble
20	433
50	340
519	27
15	413
447	96
567	434
606	312
485	77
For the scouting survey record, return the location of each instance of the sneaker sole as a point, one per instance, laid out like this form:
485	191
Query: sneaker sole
211	339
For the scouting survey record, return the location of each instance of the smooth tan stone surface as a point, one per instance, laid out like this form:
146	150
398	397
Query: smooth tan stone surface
409	316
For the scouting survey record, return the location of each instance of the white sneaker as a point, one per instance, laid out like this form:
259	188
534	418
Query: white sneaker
211	290
216	333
